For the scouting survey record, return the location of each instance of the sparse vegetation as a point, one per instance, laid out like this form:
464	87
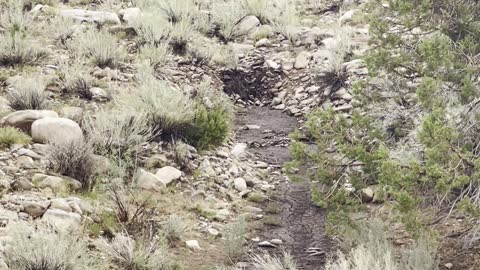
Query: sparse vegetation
168	110
117	133
101	46
75	79
156	55
132	208
43	248
74	159
173	228
268	262
17	50
10	136
127	253
373	251
234	239
227	15
28	94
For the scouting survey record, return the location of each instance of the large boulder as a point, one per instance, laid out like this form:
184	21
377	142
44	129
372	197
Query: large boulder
55	183
168	174
34	209
83	15
56	130
246	25
62	220
131	15
149	181
24	119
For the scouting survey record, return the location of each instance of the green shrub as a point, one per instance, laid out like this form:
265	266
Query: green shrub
211	127
427	50
10	136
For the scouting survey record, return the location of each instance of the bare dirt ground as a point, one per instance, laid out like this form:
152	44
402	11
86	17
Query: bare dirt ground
301	224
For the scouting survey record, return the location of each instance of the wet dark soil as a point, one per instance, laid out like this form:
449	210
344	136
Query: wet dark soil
301	224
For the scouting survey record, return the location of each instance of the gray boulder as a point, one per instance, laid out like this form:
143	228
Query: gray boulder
246	25
168	174
24	119
100	17
56	130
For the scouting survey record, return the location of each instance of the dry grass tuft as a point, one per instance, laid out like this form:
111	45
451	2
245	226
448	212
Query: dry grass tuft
28	94
268	262
74	159
20	50
44	249
102	47
128	253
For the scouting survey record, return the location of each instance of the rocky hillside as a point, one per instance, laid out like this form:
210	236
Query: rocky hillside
253	134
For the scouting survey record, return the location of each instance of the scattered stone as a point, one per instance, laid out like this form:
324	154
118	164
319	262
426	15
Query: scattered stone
266	244
252	127
193	245
448	265
302	60
24	119
222	215
366	194
213	232
56	130
25	162
246	25
276	241
240	184
347	17
60	204
28	153
239	149
98	94
168	174
34	209
21	184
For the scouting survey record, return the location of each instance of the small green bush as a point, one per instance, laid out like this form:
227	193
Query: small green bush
10	136
211	127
